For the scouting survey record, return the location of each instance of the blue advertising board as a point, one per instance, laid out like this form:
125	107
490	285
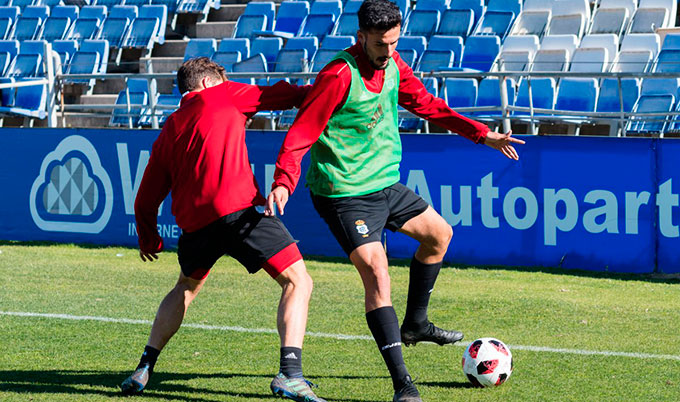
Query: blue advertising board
604	204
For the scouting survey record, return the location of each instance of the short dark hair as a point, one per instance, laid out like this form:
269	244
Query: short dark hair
192	71
378	15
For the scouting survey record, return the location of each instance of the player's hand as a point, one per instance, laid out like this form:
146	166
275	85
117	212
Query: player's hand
278	196
503	143
147	256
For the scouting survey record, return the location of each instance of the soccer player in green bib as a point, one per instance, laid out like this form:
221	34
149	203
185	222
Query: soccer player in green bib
349	120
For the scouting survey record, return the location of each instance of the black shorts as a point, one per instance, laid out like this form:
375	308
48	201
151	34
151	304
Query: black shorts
247	235
359	220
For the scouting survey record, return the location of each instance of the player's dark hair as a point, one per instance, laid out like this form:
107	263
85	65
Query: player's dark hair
378	15
192	71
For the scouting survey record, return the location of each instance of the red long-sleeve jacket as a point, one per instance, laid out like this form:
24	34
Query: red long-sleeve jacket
201	157
329	93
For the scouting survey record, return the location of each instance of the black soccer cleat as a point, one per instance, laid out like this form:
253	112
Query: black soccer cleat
430	333
135	384
407	393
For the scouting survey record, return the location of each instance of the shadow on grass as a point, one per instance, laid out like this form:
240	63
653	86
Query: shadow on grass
397	262
164	386
446	384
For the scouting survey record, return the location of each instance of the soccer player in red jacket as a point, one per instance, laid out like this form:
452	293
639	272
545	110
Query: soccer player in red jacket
200	157
349	120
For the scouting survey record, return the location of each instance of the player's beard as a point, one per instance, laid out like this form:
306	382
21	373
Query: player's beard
373	63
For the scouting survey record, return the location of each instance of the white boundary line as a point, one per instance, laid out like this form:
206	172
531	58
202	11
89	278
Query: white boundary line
333	336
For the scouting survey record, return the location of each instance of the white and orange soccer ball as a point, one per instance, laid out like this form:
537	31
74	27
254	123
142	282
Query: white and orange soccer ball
487	362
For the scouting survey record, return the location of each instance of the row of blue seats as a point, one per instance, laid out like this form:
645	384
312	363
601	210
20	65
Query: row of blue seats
173	6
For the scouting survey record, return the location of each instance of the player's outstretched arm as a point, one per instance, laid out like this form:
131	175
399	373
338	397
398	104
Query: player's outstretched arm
278	196
503	143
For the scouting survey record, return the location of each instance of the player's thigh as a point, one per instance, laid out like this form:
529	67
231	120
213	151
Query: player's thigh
198	251
354	221
427	227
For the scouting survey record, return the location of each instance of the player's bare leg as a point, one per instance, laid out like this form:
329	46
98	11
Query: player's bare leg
434	235
168	320
291	322
371	262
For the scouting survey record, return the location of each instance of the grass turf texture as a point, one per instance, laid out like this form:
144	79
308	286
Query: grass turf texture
47	359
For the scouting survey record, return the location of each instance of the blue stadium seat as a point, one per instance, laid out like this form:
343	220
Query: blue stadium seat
41	12
142	33
127	12
195	6
542	92
23	3
338	42
417	43
71	12
137	3
241	45
668	61
8	51
101	47
96	12
352	6
453	43
321	7
610	99
480	52
136	101
409	56
577	94
317	25
495	23
170	4
83	62
248	25
160	13
347	25
55	28
172	99
477	6
671	41
266	8
422	23
29	101
8	15
513	6
489	94
115	30
436	60
108	3
289	19
25	65
254	64
456	23
322	57
662	103
226	58
65	49
200	47
26	28
291	60
83	28
404	7
461	92
309	44
408	122
438	5
269	48
7	95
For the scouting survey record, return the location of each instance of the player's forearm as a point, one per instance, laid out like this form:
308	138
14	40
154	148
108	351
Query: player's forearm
282	96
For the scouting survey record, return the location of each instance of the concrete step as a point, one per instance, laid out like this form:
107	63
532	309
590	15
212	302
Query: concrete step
228	12
84	121
109	86
217	30
171	48
98	99
161	64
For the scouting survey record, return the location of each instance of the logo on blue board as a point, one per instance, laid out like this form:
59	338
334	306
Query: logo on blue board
73	192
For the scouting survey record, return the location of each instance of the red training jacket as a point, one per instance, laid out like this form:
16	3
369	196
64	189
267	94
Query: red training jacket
201	157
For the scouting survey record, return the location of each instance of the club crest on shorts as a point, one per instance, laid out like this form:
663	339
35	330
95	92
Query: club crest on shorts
362	229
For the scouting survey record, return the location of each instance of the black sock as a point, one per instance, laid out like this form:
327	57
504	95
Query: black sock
290	362
384	326
421	283
149	357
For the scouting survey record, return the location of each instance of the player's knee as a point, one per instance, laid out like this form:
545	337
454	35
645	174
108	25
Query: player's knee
440	239
296	277
188	286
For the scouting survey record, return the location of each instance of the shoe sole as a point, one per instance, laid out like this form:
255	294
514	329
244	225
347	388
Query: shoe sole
413	343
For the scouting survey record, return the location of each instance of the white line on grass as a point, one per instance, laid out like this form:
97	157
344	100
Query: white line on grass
333	336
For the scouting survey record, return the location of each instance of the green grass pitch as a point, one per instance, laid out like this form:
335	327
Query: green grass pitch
60	359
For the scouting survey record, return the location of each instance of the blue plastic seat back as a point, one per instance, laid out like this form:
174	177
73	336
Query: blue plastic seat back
577	94
7	95
247	25
123	117
5	27
320	7
337	42
480	52
650	104
347	25
200	47
477	6
160	13
65	49
10	46
254	64
137	3
41	12
227	58
322	58
9	12
489	94
96	12
671	41
127	12
26	65
438	5
456	23
84	28
26	28
352	6
417	43
55	28
453	43
170	4
32	97
513	6
266	8
241	45
668	61
436	60
269	48
317	25
610	96
291	60
167	100
108	3
83	63
22	3
495	23
290	16
5	59
461	92
114	30
422	23
192	6
409	56
542	93
310	44
141	33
